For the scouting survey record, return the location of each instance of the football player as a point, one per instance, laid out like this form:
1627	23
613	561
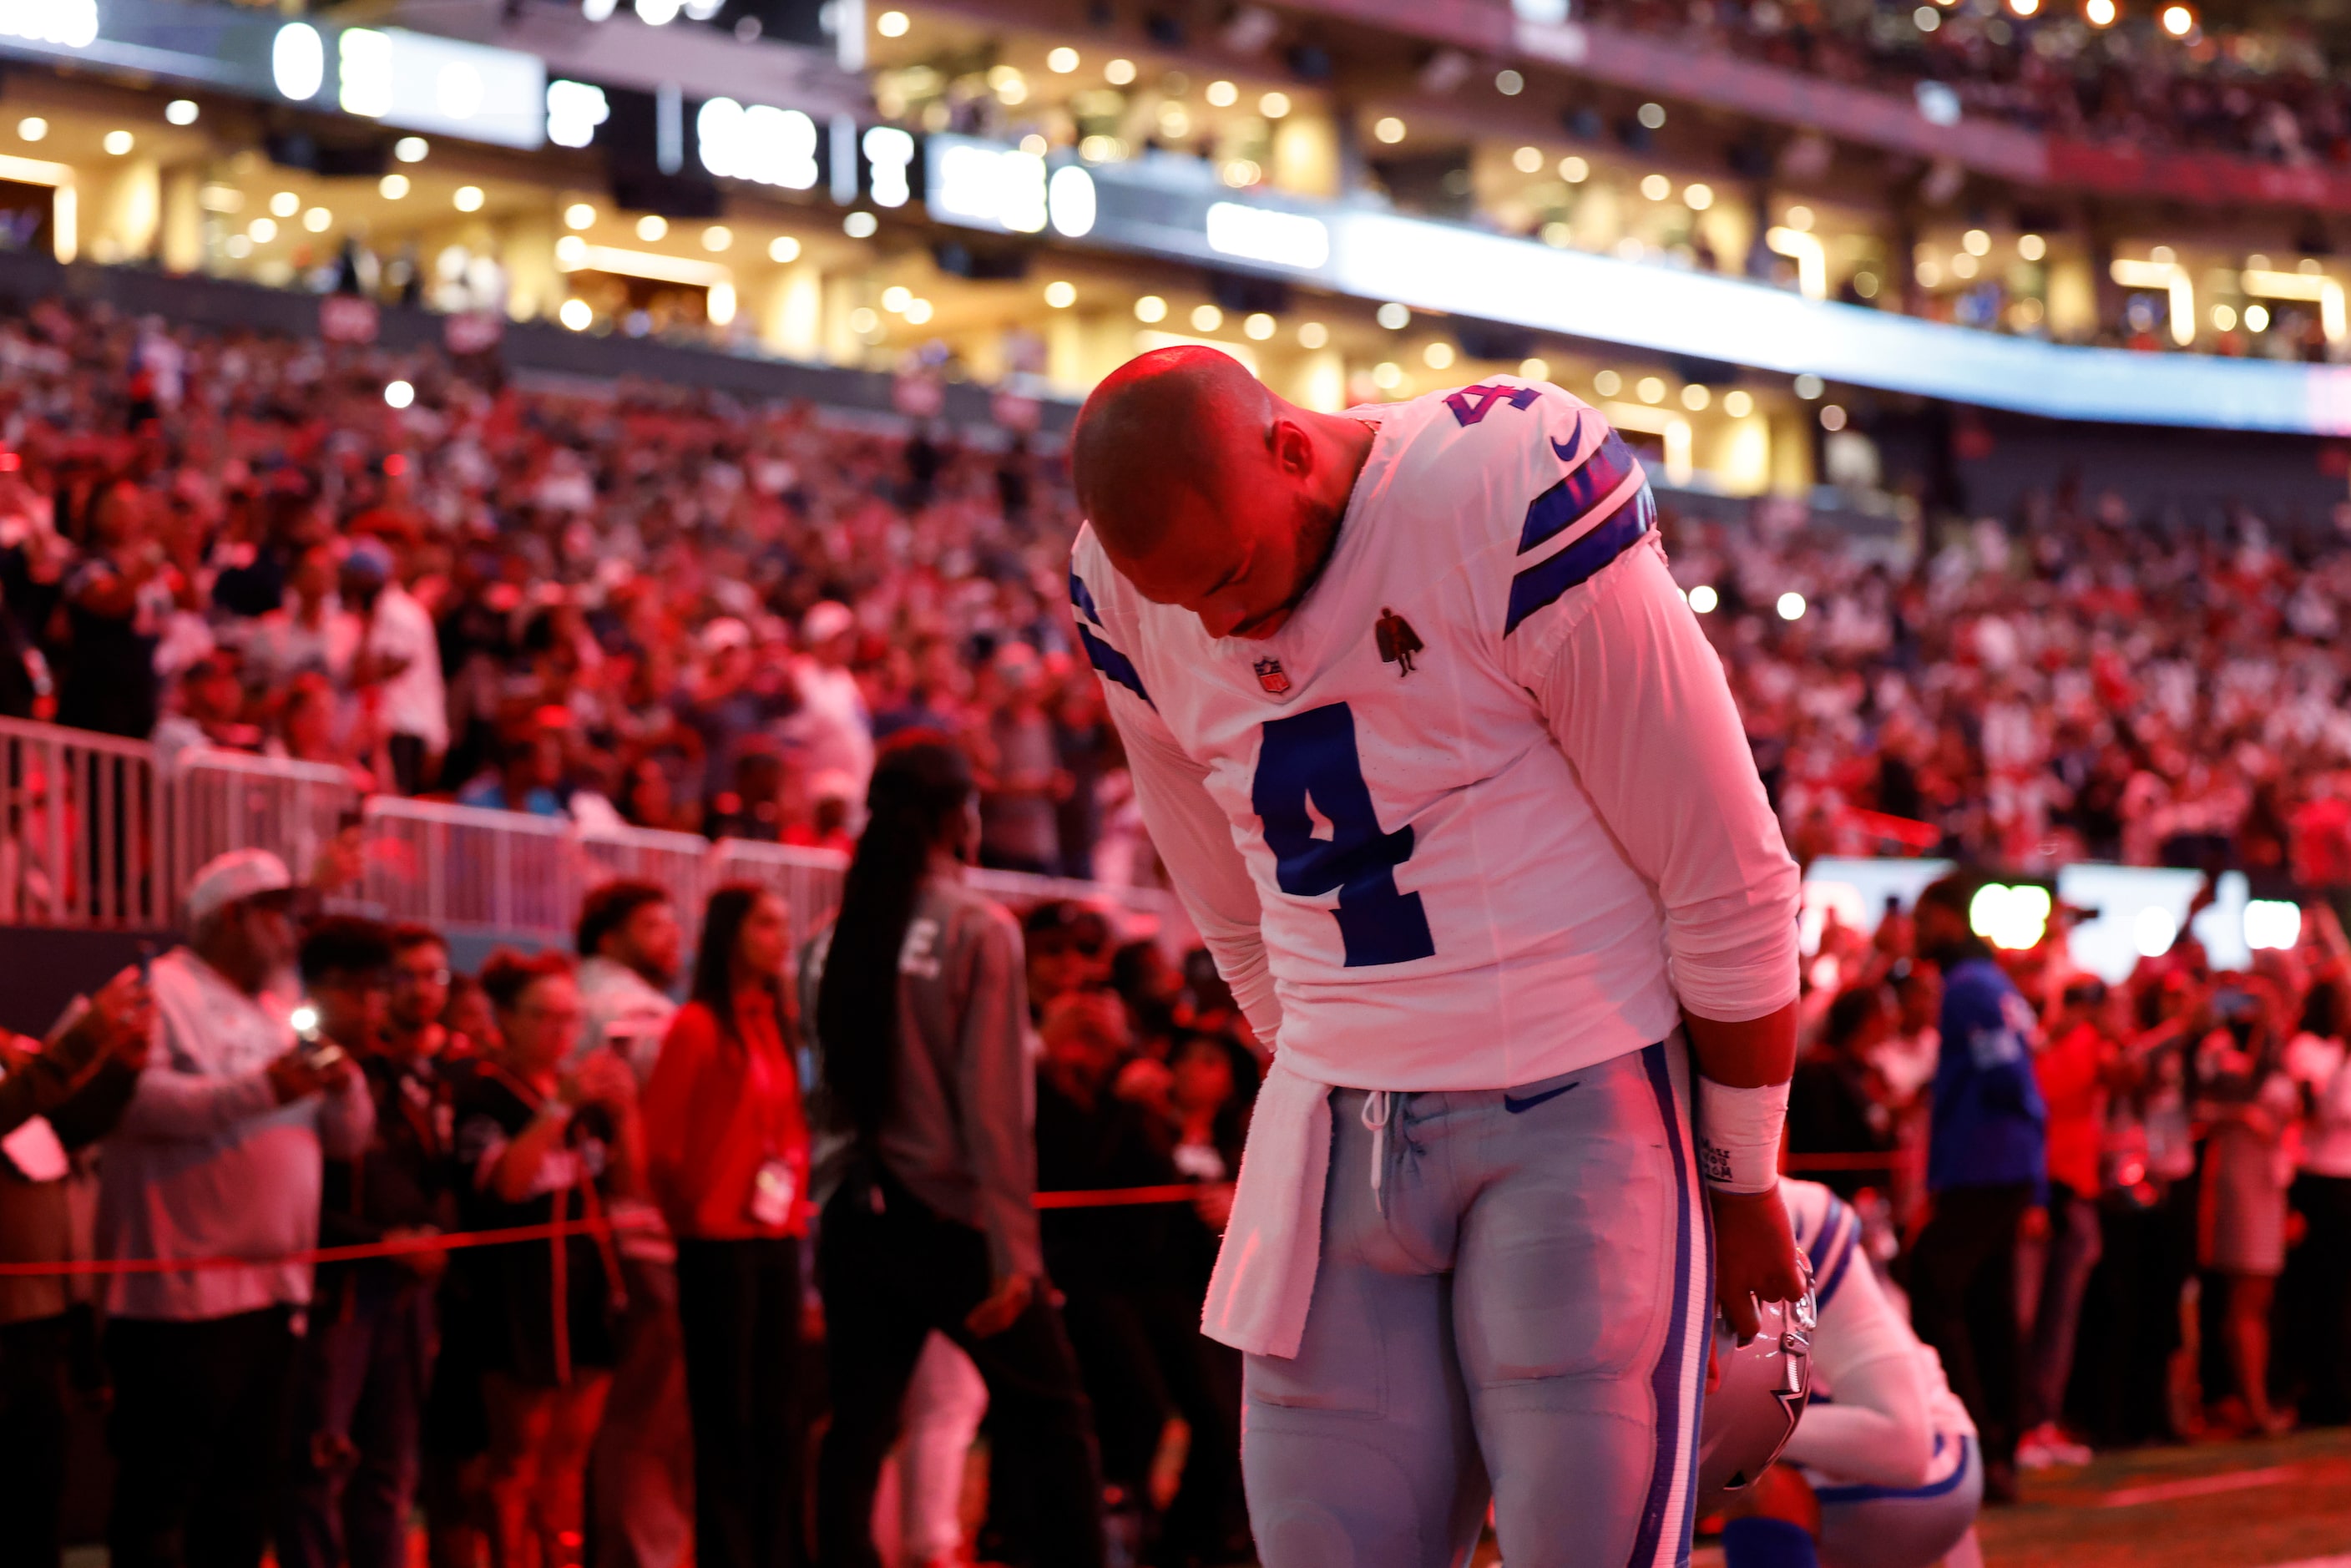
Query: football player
1883	1470
1491	900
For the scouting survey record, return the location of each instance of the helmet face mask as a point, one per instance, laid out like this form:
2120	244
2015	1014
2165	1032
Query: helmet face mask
1752	1411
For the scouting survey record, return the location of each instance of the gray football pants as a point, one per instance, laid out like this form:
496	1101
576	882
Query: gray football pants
1904	1527
1520	1309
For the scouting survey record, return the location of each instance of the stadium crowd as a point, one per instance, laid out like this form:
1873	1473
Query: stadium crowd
2266	93
623	611
663	609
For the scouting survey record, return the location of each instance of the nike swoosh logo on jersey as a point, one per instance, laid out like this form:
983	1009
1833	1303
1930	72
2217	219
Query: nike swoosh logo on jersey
1516	1106
1565	451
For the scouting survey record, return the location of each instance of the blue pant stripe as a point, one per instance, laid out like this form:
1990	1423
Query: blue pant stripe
1825	1290
1831	1495
1674	1470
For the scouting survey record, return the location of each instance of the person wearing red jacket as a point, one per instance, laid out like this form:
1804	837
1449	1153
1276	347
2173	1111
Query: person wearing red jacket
727	1152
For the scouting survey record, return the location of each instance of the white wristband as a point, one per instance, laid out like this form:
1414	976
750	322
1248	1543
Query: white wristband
1738	1134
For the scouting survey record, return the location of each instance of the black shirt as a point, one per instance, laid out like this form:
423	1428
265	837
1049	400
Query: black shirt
511	1287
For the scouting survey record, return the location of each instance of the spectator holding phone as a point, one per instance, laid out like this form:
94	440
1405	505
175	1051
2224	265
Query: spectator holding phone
55	1099
2248	1102
221	1151
2322	1193
727	1152
367	1357
537	1147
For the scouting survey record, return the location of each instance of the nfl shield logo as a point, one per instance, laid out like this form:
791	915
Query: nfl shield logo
1269	675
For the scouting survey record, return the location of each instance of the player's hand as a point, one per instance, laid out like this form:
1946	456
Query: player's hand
1755	1257
1003	1307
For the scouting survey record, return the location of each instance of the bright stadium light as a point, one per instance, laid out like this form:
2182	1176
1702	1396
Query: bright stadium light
2272	924
1704	599
398	394
2178	20
2100	13
298	61
2015	918
1791	606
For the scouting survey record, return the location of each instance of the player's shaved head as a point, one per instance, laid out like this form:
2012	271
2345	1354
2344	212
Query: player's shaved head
1208	491
1166	430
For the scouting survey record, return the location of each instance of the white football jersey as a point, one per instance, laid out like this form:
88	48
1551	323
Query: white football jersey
1460	811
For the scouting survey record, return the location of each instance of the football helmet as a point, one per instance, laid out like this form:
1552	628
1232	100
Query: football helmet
1753	1410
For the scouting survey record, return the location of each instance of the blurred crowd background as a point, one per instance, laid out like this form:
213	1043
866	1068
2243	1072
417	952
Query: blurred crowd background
2124	1220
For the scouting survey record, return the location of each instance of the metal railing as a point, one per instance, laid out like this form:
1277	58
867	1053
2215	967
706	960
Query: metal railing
95	832
81	831
221	800
808	880
469	868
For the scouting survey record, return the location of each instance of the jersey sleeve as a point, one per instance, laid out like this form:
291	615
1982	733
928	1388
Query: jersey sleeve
1188	828
1635	697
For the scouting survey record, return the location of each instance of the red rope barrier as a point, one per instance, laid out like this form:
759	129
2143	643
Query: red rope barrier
1097	1198
1118	1196
449	1242
453	1241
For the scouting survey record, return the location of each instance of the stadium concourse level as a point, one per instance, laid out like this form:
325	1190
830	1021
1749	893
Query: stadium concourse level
659	608
2147	76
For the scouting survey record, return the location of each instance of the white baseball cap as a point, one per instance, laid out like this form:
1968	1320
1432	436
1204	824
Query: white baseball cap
725	633
825	621
232	878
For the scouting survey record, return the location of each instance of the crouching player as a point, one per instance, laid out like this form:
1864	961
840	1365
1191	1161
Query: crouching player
1883	1469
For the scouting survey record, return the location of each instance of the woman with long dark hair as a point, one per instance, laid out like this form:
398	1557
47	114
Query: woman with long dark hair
920	1011
727	1157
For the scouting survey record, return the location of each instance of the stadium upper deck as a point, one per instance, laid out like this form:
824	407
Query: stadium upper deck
1742	259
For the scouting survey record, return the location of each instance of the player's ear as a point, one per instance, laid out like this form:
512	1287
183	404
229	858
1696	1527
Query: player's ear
1292	448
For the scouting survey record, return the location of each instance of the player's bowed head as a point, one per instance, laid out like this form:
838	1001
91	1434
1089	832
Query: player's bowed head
1209	492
